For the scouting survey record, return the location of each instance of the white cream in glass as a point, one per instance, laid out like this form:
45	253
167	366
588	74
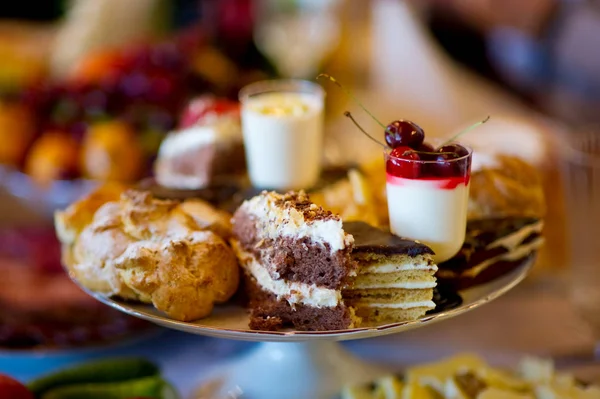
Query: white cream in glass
282	125
428	201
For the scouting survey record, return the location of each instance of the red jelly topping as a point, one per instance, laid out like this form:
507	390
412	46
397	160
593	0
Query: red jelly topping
441	183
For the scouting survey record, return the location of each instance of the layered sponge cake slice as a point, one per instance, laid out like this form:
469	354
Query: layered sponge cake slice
395	278
297	258
307	270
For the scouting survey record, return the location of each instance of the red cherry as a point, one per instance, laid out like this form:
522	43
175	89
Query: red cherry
13	389
401	163
445	167
403	133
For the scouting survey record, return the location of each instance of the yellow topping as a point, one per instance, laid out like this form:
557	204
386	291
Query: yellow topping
280	104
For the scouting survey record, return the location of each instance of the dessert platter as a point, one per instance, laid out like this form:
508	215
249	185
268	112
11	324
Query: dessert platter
280	249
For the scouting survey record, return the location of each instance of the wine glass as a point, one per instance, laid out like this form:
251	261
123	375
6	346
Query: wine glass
297	35
581	175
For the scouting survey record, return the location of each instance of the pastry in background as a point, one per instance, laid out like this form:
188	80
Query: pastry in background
492	248
503	185
156	251
208	145
353	198
469	376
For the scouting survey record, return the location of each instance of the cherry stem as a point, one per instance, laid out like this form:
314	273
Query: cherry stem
349	115
468	129
351	96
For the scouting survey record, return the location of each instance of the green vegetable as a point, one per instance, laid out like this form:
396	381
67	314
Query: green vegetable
116	370
169	392
149	387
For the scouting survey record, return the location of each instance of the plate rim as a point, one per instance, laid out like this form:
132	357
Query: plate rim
512	279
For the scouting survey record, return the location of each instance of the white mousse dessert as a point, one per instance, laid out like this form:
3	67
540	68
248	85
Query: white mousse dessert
428	196
435	211
283	134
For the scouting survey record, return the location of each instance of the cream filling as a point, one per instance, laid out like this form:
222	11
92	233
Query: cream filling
405	285
403	305
516	254
513	240
395	267
289	222
292	291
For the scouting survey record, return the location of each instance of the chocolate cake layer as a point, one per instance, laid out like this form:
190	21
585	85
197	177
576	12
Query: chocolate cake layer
368	238
270	314
494	271
294	259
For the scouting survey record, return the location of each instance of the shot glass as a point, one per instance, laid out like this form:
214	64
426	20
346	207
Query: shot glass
282	124
428	197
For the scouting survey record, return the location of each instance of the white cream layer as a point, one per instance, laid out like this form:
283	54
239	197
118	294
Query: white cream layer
405	285
293	292
396	267
404	305
275	221
514	255
515	239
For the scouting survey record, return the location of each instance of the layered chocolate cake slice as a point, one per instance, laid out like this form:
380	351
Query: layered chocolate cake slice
395	279
296	257
492	247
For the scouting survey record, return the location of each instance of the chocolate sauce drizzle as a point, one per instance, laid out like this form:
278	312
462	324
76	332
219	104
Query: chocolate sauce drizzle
445	298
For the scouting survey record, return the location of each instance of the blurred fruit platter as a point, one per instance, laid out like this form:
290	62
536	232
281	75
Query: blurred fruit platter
41	309
106	119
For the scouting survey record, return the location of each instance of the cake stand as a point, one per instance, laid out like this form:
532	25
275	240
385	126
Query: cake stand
301	364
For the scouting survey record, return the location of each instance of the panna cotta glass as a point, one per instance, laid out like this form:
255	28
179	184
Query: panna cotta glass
282	125
428	196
